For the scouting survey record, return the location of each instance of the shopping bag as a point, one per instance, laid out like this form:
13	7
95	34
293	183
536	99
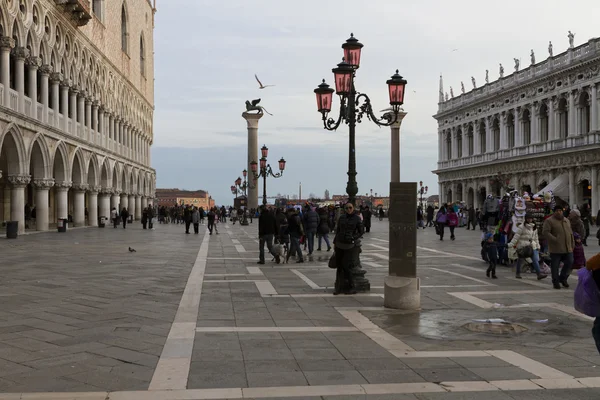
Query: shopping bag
332	264
587	295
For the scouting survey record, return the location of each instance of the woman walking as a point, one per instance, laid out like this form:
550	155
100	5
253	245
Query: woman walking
441	218
527	244
323	229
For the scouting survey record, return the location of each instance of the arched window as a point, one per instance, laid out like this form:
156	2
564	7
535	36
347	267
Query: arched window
510	127
124	32
544	129
482	138
142	56
526	124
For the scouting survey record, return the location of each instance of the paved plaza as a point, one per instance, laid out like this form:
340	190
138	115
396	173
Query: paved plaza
194	317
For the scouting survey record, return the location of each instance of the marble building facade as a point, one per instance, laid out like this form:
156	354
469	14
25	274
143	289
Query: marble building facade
536	128
76	109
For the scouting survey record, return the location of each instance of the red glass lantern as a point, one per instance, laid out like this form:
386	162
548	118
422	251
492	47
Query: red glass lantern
352	49
396	87
281	164
253	166
264	151
343	78
245	173
263	163
238	181
324	94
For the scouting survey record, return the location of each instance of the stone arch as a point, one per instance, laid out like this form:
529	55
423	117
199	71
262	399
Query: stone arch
60	170
471	198
39	157
116	177
92	171
78	169
17	32
141	183
125	179
124	28
12	145
3	23
583	175
132	181
105	174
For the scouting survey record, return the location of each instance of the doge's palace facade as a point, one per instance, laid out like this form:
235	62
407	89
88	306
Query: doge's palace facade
536	128
76	109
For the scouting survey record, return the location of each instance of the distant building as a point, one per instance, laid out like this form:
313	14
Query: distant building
172	197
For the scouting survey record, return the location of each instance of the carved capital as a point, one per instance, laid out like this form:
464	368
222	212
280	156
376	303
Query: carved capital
105	190
56	77
45	70
34	62
65	84
6	43
43	183
88	100
63	185
80	187
116	192
19	181
21	53
93	189
74	90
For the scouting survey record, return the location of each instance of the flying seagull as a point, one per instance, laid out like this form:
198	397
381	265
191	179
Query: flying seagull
260	83
453	50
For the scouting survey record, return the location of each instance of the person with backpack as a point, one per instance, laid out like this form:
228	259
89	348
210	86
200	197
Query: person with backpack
296	231
323	229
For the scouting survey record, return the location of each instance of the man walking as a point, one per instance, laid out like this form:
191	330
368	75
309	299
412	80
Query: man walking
311	222
211	220
196	219
296	230
557	231
471	218
267	228
187	218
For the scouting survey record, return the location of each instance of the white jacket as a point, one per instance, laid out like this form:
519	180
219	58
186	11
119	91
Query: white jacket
526	235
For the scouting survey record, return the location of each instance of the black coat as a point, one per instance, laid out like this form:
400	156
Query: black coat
349	230
367	217
267	224
323	224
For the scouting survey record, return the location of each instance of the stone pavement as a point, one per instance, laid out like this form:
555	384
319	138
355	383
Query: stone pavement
194	317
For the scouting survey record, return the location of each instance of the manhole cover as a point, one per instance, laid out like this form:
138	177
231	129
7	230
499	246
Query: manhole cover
495	328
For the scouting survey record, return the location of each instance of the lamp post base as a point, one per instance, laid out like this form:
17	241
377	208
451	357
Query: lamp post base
361	284
402	293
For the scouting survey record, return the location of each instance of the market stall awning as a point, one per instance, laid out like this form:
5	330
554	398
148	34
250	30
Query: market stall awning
559	186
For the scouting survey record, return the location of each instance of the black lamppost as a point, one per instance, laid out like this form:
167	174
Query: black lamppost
266	170
243	189
422	191
354	105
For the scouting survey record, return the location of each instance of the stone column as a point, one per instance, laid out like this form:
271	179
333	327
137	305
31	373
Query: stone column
503	132
551	120
440	193
572	186
20	54
73	107
64	100
88	116
126	143
114	200
131	206
6	45
144	202
111	126
17	199
440	146
572	115
81	112
105	207
395	153
62	200
465	140
594	109
93	205
42	186
517	121
454	143
45	71
465	193
489	136
138	207
33	64
79	204
402	286
476	137
94	121
55	79
252	121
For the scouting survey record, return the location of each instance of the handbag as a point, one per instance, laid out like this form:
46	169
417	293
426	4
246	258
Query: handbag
525	251
441	219
587	296
332	262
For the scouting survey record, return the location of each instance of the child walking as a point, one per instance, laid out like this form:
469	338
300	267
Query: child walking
491	249
578	252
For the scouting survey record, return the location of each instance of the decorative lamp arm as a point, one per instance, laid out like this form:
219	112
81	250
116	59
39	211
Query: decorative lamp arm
366	108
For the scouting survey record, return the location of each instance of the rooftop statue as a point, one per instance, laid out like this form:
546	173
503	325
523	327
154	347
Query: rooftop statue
550	52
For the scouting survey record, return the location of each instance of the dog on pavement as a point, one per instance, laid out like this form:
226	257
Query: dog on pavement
280	253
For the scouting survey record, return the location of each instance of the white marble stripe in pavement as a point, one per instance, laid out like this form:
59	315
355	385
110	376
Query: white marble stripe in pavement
375	333
307	280
378	246
277	329
445	271
445	253
240	248
529	365
174	363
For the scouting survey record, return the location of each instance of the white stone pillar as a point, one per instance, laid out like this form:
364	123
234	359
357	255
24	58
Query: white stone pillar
552	134
138	207
20	54
572	199
42	186
489	136
111	130
131	207
114	200
45	71
105	207
518	130
594	184
503	132
594	109
33	64
395	151
454	143
476	137
79	204
465	140
81	112
124	201
144	202
94	120
17	199
62	199
73	107
93	205
6	45
55	79
252	122
572	115
88	117
64	100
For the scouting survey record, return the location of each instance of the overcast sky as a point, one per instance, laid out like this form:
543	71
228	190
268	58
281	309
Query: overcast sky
207	52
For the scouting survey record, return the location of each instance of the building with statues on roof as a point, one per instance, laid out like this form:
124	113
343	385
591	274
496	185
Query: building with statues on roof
534	130
76	110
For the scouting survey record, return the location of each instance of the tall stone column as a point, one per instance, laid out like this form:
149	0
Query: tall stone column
20	54
114	200
93	205
6	45
518	136
111	127
42	186
64	103
124	201
572	199
45	71
503	132
138	207
73	107
552	134
62	200
476	137
105	207
252	121
33	64
81	112
402	286
489	137
131	207
17	199
55	79
88	117
79	204
395	152
594	109
572	115
144	202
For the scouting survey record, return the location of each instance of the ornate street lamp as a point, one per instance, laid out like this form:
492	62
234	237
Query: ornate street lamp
242	187
266	170
421	192
354	105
